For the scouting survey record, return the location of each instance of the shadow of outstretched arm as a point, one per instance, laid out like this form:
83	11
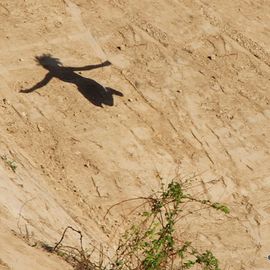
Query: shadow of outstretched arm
90	67
40	84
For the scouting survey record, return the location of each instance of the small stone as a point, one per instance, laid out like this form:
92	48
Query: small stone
40	128
121	47
20	59
58	24
6	101
130	99
211	57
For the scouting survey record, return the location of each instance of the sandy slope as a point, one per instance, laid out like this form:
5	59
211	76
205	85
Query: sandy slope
195	79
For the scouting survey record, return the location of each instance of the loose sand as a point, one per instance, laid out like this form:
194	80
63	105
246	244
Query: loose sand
193	95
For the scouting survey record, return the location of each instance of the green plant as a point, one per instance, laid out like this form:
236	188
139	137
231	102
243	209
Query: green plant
152	243
11	163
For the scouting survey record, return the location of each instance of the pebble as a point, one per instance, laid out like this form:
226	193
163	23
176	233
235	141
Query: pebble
6	101
211	57
40	128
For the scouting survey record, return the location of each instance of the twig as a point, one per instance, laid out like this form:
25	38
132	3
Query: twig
132	199
20	213
63	236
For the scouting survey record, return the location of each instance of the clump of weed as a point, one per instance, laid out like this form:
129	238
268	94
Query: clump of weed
151	243
78	257
10	163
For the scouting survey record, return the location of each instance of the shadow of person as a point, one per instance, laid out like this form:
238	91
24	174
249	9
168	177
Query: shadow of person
90	89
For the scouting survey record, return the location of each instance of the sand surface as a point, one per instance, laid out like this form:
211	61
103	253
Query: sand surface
191	98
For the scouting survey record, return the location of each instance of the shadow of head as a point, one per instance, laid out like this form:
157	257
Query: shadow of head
47	61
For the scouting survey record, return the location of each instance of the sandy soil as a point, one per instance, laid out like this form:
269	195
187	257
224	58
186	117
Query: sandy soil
192	81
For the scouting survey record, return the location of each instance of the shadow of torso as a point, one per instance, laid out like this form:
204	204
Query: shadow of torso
90	89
